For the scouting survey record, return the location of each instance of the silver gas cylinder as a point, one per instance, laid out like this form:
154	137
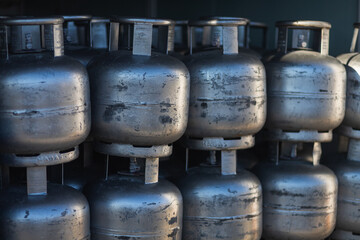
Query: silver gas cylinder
348	170
140	98
84	37
61	213
348	174
228	92
140	108
306	88
220	202
44	122
227	107
350	126
299	196
133	206
44	95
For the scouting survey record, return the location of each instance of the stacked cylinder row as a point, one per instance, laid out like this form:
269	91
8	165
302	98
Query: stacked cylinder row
185	97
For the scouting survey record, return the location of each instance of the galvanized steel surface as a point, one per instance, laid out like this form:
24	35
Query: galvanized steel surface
227	96
138	100
306	91
37	90
299	200
352	114
61	214
221	207
123	207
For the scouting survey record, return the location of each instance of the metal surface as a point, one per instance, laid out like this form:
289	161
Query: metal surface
138	100
41	159
123	207
343	235
61	214
220	206
220	143
227	97
348	174
350	126
300	198
128	150
44	100
306	89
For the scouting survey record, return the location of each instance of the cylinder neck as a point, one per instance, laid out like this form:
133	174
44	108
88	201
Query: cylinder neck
290	150
228	162
151	170
354	150
31	35
36	180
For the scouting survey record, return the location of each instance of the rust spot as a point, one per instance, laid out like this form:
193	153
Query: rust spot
165	119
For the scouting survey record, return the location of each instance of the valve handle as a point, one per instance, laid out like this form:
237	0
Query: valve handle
302	28
229	31
142	37
43	33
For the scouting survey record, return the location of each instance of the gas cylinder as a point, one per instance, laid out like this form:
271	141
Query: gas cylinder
227	107
44	122
133	206
228	93
348	170
299	195
140	106
84	37
44	96
306	88
139	98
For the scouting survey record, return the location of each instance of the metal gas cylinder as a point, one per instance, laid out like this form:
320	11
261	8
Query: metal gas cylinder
306	88
140	108
348	174
123	207
63	213
84	37
225	88
140	98
42	125
350	125
228	93
221	203
348	170
299	196
44	96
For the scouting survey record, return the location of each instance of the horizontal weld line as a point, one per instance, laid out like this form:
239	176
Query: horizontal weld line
298	210
113	232
239	217
136	104
41	111
356	201
230	99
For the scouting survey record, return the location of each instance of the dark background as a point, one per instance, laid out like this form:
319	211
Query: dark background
341	14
